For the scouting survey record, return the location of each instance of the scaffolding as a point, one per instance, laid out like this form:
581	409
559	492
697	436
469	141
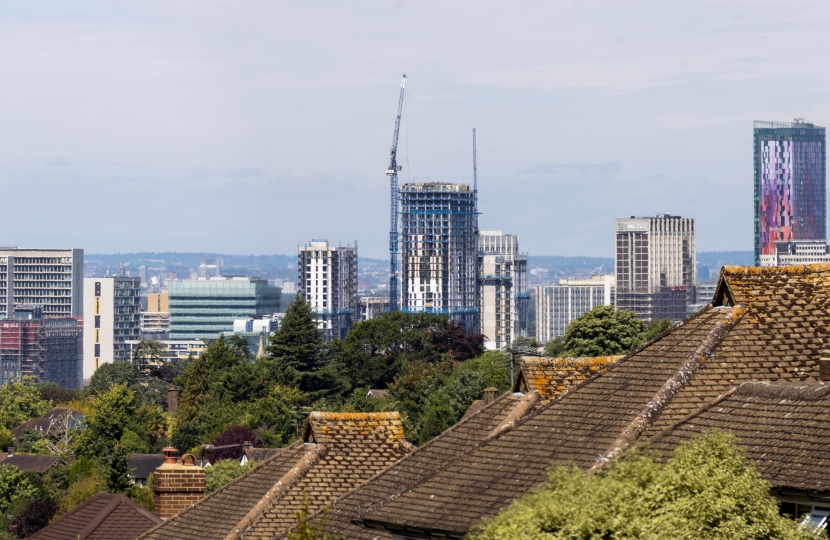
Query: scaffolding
440	241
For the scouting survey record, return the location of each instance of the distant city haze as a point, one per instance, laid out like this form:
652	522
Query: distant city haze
252	127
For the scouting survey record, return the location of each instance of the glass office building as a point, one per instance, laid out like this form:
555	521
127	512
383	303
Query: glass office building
790	186
206	308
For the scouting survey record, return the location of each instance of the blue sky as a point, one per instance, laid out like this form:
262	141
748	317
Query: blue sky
252	126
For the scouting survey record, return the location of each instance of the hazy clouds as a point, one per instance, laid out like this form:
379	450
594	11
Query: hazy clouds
254	126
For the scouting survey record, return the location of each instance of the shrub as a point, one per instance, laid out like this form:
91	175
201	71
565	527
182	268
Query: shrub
34	517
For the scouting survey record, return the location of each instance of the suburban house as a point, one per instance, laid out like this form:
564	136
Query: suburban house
104	516
764	324
338	452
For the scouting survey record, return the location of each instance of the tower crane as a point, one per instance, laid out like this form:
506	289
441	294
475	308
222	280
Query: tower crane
392	173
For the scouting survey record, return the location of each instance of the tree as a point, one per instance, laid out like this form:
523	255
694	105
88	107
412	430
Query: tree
603	331
223	472
14	486
109	415
233	435
34	517
655	328
56	394
295	351
304	529
148	351
6	439
555	348
118	471
20	401
707	490
111	374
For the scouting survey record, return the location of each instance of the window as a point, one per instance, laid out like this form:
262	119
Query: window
817	519
97	321
97	352
97	288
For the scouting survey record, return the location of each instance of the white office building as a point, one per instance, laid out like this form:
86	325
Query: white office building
328	278
797	252
557	306
112	307
51	278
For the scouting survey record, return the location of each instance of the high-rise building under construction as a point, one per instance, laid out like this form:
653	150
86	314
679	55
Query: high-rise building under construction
503	295
790	184
439	255
328	277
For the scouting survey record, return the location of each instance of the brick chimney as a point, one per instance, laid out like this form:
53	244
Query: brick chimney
824	366
177	485
172	399
490	394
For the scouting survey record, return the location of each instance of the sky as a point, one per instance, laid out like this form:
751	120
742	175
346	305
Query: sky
249	127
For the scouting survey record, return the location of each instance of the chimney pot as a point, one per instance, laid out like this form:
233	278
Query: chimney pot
170	455
490	394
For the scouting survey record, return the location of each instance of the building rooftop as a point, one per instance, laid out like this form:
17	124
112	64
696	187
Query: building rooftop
101	517
338	452
765	324
784	428
552	377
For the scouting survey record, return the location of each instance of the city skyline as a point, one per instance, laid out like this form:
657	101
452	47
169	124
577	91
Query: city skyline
192	118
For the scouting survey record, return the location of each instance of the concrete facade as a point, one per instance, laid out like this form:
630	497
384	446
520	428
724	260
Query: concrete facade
113	316
654	261
328	278
52	278
503	295
557	306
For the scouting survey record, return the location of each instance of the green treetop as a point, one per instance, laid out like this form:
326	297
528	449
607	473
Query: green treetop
20	401
603	331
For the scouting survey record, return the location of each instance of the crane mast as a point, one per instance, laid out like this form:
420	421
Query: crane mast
392	173
475	184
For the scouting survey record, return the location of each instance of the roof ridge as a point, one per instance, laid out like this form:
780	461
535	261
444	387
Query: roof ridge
282	485
700	410
96	522
684	373
75	509
247	473
495	433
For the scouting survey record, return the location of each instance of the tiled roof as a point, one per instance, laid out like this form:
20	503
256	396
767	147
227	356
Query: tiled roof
767	324
261	454
784	427
551	377
143	465
423	462
104	516
29	462
338	452
44	422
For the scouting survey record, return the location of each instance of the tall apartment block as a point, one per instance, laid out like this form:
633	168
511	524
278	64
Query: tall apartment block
52	278
112	307
503	296
655	266
48	349
205	308
328	278
557	306
790	184
439	255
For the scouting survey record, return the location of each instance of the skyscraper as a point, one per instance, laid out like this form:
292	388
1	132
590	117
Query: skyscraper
790	184
503	295
113	315
328	277
654	260
558	305
439	264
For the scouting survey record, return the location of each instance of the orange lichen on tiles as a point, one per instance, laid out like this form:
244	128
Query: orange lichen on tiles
327	426
551	377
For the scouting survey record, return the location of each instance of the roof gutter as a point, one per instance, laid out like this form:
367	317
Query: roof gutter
418	533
